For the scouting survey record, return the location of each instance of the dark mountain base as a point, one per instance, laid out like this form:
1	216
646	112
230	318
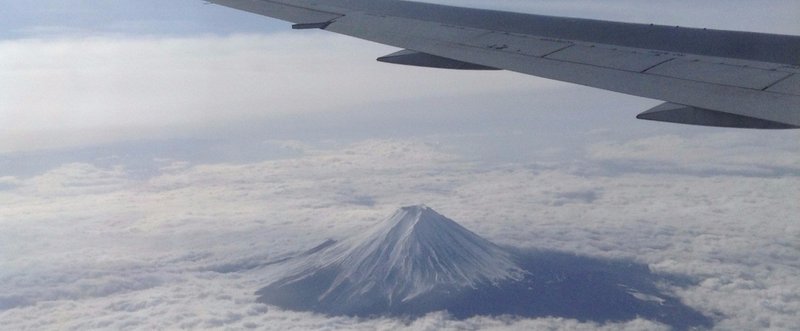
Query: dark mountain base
557	284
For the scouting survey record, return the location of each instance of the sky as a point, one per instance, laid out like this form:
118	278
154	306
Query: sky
149	144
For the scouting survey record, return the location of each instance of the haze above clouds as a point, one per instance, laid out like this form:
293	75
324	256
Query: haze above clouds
142	161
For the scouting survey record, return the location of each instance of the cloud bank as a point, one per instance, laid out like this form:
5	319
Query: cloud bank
89	247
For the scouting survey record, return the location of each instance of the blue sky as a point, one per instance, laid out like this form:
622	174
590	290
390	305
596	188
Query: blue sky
147	142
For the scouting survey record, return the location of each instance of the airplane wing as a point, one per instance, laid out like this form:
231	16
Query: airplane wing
706	77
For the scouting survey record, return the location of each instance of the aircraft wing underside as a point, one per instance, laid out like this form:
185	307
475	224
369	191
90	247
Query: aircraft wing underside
705	77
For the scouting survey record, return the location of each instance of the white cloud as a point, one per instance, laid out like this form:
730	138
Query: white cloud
102	250
8	182
77	179
755	153
91	90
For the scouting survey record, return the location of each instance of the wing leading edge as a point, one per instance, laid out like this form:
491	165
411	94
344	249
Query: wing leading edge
706	77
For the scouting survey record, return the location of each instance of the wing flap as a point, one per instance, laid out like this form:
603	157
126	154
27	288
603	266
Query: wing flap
615	58
718	73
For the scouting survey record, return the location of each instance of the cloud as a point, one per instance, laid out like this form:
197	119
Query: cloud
77	179
91	90
745	153
188	246
8	182
587	196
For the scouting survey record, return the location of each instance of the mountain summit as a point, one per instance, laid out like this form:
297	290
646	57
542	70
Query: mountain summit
418	261
416	251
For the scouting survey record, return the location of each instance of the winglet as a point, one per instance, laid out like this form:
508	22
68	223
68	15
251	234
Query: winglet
675	113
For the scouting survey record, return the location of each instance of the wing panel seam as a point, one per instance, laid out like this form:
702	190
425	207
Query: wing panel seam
656	65
558	50
777	82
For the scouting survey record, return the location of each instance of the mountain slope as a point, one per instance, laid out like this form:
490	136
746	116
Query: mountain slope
413	254
418	261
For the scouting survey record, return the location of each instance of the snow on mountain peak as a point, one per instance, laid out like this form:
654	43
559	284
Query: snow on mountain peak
413	252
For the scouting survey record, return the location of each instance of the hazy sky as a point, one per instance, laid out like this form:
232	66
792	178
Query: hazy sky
82	73
146	143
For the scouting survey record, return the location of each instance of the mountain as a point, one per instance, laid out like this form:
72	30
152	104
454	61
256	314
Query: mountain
413	255
418	261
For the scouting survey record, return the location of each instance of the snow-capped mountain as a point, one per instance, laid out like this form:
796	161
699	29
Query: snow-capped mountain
414	252
418	261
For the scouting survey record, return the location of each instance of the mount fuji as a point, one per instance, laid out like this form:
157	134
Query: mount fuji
418	261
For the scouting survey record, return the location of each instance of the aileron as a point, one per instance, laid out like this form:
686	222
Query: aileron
716	73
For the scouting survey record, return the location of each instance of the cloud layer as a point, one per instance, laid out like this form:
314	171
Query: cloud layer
81	90
87	246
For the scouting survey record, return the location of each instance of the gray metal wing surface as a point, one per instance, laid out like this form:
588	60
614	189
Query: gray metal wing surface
706	77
